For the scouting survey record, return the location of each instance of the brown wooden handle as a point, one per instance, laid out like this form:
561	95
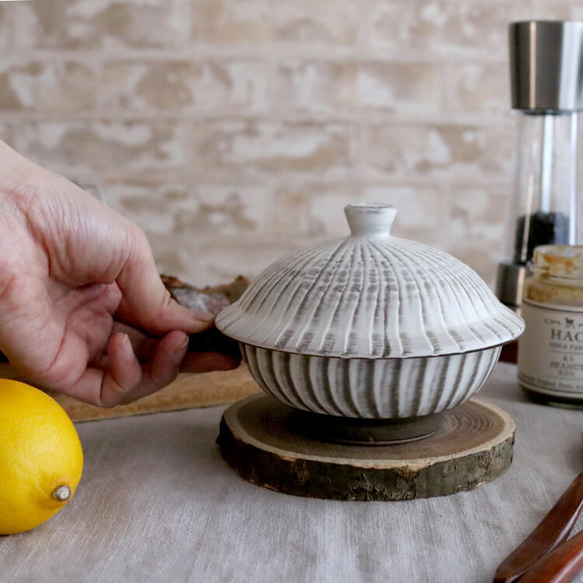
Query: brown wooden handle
560	566
549	534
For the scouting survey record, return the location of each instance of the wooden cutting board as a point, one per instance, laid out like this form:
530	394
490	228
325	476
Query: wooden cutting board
186	392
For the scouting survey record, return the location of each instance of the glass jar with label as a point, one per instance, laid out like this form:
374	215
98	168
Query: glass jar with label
550	352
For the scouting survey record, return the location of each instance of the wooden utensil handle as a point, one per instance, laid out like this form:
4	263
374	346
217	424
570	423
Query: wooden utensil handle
549	534
560	566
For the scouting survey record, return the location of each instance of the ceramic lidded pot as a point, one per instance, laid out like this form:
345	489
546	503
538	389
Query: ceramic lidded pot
370	326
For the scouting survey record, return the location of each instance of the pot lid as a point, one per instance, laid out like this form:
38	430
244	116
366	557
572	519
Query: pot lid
370	295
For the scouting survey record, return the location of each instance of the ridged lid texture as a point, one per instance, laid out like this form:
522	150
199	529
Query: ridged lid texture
370	295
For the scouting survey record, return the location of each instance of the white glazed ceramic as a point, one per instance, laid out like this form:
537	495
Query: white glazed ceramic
384	388
371	325
370	295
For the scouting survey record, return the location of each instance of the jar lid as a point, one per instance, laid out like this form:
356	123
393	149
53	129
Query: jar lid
370	295
559	262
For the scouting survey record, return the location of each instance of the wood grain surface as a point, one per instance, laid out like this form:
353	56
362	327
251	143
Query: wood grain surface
186	392
560	566
550	533
474	445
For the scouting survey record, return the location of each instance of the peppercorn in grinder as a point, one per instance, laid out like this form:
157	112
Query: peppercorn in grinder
546	71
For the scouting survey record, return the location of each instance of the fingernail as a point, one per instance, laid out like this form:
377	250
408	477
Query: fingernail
180	351
127	347
204	316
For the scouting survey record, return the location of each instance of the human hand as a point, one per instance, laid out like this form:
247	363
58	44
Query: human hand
82	307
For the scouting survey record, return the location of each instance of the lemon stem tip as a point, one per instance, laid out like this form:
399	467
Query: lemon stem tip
62	493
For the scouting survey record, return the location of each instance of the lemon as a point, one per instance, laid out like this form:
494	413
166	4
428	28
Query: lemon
41	459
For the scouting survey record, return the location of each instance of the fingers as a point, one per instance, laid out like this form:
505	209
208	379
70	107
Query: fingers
146	303
200	356
169	359
122	379
126	379
198	362
144	346
165	365
124	369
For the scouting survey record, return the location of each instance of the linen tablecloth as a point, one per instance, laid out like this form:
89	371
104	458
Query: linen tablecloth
158	503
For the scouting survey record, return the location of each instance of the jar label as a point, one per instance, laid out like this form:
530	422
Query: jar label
550	352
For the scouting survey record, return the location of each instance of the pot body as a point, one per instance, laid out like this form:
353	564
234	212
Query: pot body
384	388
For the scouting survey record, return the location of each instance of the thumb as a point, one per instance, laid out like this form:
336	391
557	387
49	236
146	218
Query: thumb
146	303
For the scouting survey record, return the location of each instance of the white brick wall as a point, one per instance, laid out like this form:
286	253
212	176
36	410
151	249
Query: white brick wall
234	131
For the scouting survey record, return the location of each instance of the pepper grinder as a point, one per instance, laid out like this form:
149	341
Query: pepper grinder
546	74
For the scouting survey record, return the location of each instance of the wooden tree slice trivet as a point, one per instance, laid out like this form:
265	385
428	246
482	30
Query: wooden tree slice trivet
473	445
186	392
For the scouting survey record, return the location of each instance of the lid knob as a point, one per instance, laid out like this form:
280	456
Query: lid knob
370	219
